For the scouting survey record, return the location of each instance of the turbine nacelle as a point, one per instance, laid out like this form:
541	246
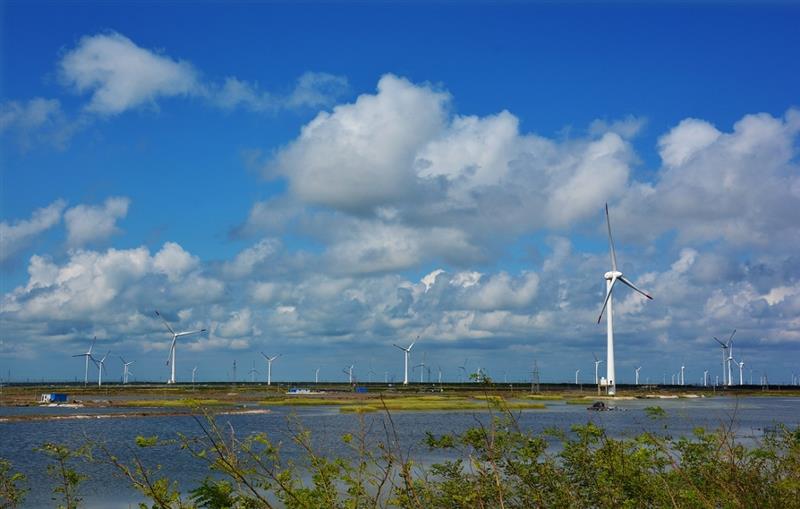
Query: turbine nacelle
612	274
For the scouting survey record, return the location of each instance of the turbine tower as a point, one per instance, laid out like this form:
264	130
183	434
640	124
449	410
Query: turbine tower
576	376
269	366
637	374
407	353
175	336
611	278
88	355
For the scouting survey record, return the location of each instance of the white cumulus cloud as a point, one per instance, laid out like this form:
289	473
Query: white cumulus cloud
121	75
89	223
18	235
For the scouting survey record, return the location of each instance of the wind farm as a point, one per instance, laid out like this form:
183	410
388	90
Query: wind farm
399	254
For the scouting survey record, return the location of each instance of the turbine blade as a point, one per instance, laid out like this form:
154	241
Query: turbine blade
720	342
608	296
411	346
188	333
264	355
595	356
92	345
730	339
622	278
165	322
398	346
611	242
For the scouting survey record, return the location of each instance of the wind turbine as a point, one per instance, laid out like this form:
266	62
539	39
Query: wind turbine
422	370
349	372
705	378
463	369
253	372
725	362
682	368
194	371
741	369
596	369
316	376
88	355
100	366
407	353
637	374
611	278
175	336
125	369
269	366
576	376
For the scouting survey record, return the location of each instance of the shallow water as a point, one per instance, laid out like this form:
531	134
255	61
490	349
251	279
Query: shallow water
19	439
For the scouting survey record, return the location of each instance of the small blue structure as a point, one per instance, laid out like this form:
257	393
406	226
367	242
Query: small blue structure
361	389
53	397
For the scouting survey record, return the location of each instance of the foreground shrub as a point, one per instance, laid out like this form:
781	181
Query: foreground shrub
493	465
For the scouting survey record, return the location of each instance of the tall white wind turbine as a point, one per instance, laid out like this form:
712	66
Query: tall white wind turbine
637	374
611	278
406	354
269	366
88	355
577	371
175	336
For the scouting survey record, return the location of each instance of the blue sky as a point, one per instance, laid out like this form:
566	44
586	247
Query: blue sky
293	177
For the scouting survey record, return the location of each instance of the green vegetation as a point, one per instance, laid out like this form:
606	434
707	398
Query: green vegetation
411	403
492	465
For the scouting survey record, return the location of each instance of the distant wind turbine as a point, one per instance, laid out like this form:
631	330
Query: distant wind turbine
253	372
125	369
637	374
577	371
269	366
611	278
88	355
463	370
100	367
349	373
596	369
175	336
726	370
